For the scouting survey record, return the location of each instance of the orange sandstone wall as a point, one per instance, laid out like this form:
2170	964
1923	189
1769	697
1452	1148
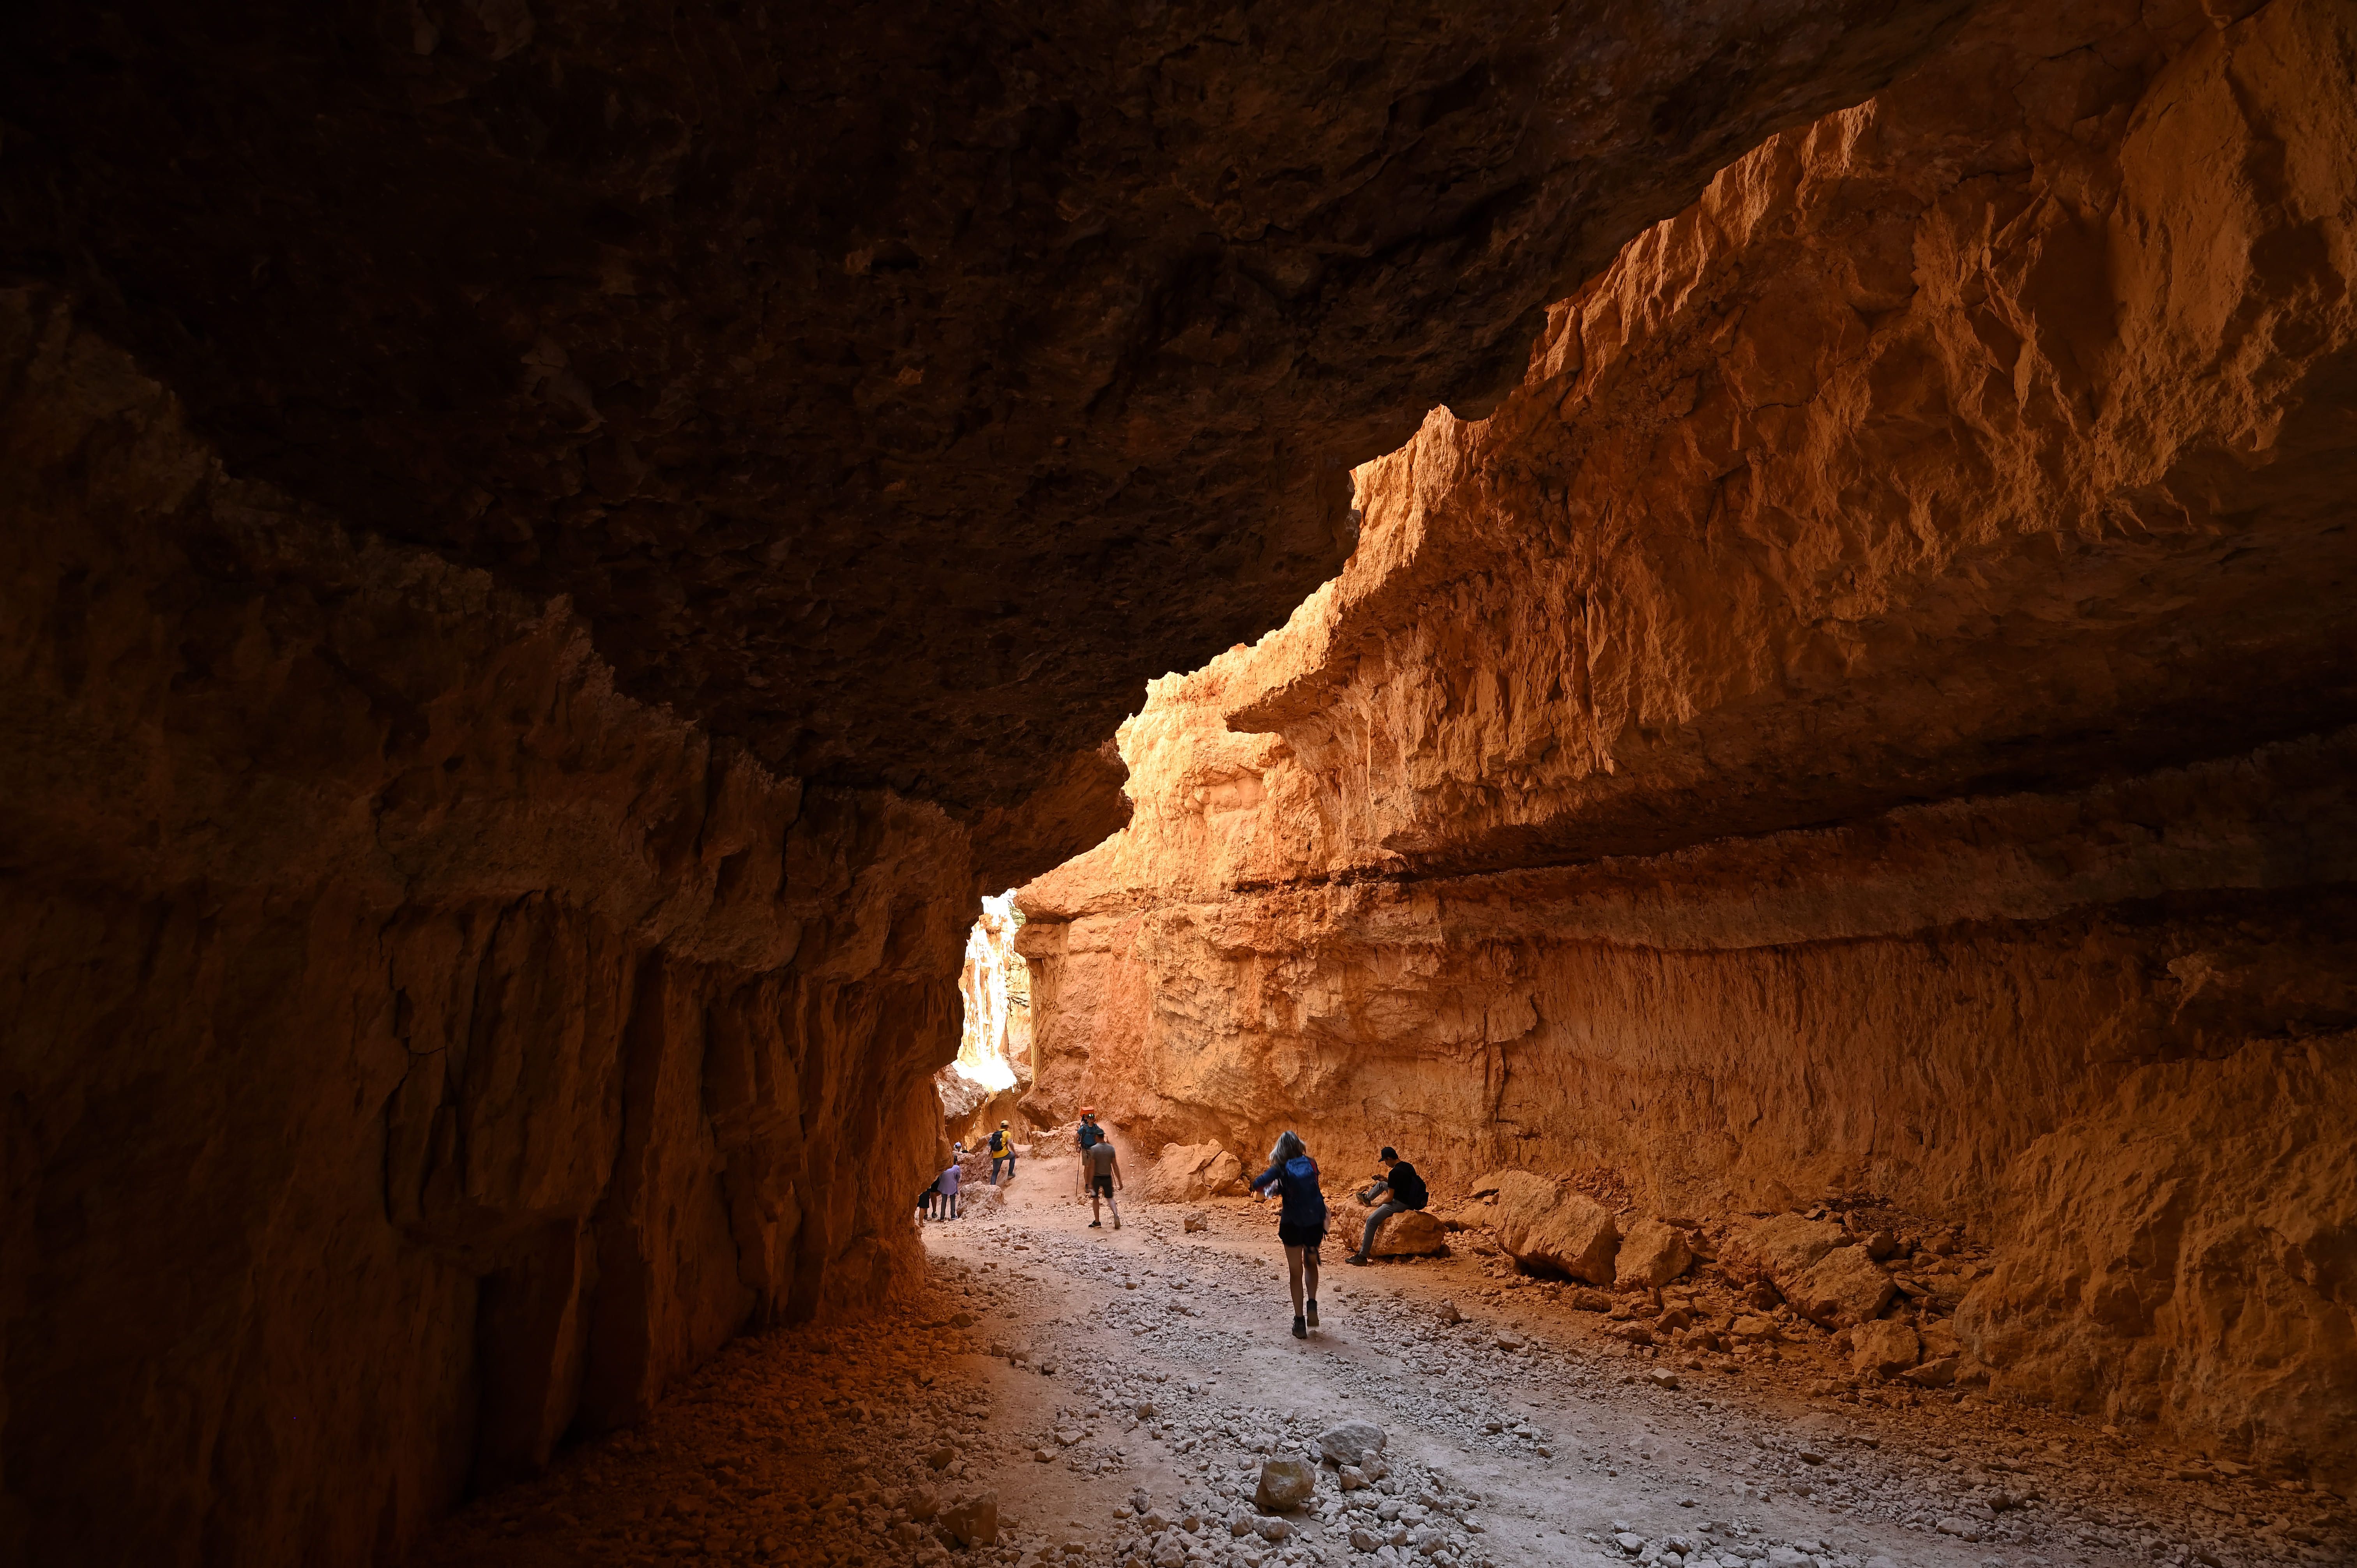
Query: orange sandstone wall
1873	711
415	1051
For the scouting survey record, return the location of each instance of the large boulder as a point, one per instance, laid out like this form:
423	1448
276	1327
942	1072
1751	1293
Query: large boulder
1190	1173
1782	1247
1844	1287
1883	1349
1415	1234
1552	1225
1653	1253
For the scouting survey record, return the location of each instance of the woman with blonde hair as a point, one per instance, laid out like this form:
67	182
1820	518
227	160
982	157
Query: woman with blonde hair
1292	1175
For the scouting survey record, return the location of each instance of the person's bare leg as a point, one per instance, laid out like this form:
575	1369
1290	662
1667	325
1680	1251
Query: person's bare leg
1114	1204
1309	1268
1293	1256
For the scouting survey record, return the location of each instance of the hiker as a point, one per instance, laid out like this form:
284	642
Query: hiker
1002	1153
1399	1188
1103	1166
1091	1135
947	1188
1300	1221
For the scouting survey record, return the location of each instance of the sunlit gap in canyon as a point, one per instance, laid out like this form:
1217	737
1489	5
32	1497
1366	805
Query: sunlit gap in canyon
1616	748
985	1085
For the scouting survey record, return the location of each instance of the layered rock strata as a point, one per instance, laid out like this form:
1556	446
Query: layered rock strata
415	1051
1870	715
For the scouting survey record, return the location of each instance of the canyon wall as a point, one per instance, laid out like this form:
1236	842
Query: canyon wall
415	1051
1871	713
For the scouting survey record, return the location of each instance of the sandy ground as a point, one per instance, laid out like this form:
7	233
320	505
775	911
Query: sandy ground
1105	1388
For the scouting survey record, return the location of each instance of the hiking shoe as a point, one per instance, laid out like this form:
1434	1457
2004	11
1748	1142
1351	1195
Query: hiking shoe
1356	1259
1301	1329
1313	1312
1096	1224
1116	1221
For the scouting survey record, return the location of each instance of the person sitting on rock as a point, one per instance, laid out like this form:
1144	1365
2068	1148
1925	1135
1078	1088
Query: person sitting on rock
1300	1221
1002	1153
1399	1191
1103	1168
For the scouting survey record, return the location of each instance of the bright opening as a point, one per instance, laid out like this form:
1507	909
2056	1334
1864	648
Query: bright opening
993	1059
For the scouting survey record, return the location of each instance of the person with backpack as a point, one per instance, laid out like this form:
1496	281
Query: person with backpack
1091	1136
1399	1189
1002	1153
1292	1175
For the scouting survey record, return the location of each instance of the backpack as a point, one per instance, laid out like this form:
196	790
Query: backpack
1408	1186
1303	1203
998	1145
1091	1135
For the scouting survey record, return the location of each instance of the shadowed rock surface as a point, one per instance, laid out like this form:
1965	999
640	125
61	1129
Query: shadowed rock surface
553	550
892	388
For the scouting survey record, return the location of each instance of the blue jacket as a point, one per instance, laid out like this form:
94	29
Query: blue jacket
1301	1202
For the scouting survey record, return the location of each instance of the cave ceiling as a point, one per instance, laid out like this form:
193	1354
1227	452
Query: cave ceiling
892	388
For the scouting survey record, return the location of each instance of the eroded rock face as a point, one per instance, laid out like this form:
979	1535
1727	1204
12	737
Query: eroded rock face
1874	697
892	389
416	1050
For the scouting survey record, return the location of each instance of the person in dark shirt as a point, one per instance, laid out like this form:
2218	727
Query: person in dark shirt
1103	1166
1399	1191
1300	1223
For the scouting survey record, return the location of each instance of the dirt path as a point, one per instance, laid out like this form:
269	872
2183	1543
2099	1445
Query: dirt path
1088	1376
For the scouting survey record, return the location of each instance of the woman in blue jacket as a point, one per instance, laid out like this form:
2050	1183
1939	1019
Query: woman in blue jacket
1300	1221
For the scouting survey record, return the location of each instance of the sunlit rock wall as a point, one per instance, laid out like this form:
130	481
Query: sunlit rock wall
1871	713
413	1050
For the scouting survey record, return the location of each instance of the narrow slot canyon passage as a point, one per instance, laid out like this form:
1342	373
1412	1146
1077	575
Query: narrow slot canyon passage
713	718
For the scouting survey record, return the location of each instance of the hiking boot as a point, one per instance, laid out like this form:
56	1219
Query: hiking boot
1301	1329
1313	1312
1116	1221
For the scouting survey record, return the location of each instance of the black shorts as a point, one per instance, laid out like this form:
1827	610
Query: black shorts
1294	1235
1102	1186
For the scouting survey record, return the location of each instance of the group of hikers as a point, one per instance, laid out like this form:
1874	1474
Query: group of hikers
1291	1178
940	1201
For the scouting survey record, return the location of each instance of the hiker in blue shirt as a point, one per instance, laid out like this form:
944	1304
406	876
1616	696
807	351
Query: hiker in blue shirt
1300	1222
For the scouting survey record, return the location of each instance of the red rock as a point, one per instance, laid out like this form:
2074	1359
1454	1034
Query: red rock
1191	1173
1556	1227
1767	755
1653	1253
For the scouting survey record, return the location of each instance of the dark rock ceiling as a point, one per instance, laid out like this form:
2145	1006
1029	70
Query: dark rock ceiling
894	387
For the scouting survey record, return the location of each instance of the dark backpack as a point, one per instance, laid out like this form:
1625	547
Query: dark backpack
1408	1187
998	1145
1091	1136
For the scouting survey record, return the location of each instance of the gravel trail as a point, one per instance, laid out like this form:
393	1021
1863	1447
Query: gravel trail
1113	1395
